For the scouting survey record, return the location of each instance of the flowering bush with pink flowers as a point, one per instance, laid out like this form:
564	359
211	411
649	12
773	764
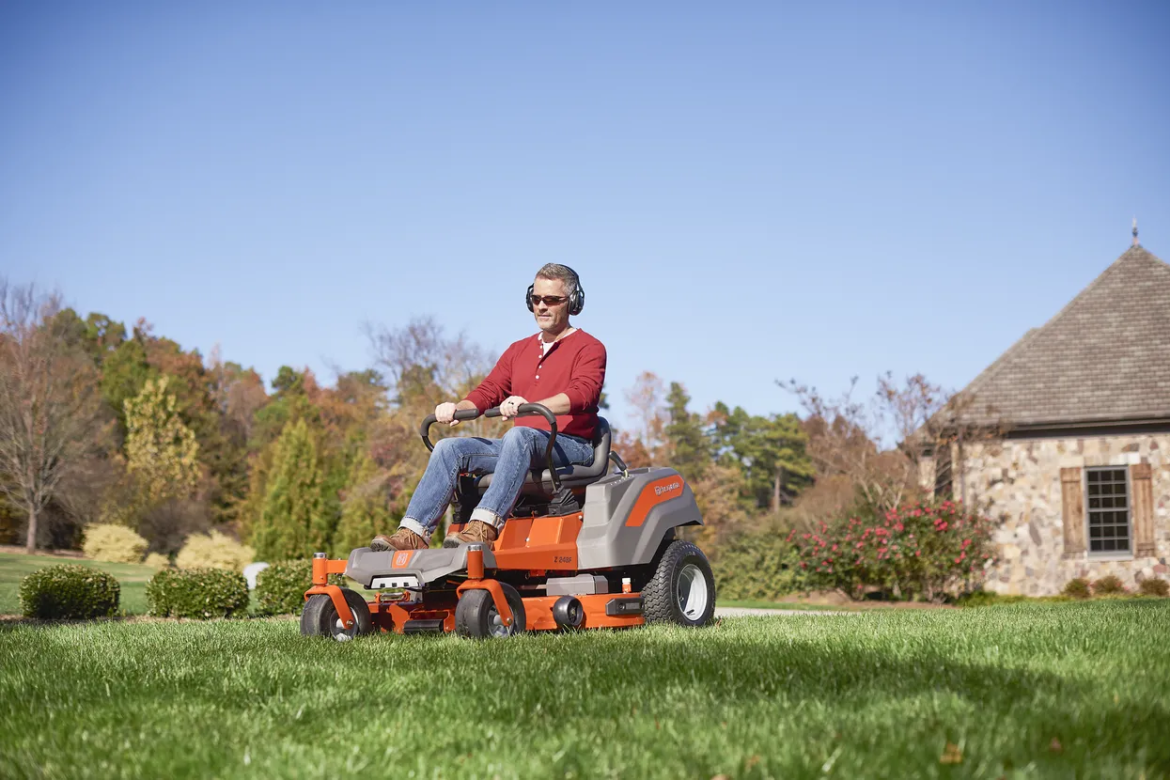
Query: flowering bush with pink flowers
918	551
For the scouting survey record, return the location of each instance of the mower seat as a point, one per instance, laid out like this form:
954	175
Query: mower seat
571	476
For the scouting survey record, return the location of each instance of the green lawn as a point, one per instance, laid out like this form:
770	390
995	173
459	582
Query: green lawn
760	604
14	567
1018	691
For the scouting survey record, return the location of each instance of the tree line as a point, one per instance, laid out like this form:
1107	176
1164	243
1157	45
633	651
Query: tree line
100	423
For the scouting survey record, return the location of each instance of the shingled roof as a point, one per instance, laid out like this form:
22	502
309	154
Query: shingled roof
1104	357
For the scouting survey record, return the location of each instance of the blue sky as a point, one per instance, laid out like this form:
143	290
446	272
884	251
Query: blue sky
749	191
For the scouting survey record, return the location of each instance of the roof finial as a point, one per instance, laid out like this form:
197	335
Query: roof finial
1135	241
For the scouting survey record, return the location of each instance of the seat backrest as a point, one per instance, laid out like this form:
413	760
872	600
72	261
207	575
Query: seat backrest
602	441
579	476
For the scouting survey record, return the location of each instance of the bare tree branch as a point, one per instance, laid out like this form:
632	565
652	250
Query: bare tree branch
49	405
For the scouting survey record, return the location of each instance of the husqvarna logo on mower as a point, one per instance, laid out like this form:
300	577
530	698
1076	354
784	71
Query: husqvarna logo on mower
660	489
401	558
657	492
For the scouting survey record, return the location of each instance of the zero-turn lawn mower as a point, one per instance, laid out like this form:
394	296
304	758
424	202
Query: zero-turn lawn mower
583	548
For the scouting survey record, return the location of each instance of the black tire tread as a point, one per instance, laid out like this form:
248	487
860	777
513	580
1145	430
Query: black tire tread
474	605
319	614
658	596
468	620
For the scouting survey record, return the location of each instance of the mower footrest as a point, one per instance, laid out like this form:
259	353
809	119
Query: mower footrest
629	605
428	626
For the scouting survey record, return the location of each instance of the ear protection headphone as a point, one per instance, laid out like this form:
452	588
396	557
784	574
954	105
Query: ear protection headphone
576	298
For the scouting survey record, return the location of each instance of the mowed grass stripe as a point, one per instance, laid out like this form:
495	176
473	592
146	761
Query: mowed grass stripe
879	695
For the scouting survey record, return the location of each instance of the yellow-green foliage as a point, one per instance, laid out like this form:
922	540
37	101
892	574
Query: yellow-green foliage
157	560
161	452
293	523
364	513
113	543
215	551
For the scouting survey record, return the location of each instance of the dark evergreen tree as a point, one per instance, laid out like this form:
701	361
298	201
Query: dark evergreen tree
688	447
771	451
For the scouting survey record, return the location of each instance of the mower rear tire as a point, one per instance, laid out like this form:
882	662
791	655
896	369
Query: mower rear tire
682	590
320	617
476	615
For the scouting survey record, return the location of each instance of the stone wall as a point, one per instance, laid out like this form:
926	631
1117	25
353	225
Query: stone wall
1018	480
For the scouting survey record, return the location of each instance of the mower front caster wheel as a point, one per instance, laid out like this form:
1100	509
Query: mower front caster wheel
476	615
320	617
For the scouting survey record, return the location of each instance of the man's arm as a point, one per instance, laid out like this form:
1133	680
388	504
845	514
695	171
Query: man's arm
588	377
557	404
495	387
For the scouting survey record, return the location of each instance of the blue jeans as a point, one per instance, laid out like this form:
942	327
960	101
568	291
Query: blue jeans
509	459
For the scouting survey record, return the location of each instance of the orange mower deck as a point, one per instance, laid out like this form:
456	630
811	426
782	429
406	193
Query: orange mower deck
526	544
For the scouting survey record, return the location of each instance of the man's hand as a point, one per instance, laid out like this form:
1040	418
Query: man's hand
445	413
509	406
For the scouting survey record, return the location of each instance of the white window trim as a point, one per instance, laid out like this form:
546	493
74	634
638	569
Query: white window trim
1108	555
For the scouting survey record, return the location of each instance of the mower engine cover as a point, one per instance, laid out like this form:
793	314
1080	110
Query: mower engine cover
627	517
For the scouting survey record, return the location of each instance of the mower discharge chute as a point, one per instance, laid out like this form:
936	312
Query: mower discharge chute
583	548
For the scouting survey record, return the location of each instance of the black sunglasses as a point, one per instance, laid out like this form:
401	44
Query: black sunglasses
549	300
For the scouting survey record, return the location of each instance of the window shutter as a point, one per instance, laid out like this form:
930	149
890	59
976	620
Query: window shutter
1141	480
1072	505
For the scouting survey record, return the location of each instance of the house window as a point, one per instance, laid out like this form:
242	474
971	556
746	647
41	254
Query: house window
1108	492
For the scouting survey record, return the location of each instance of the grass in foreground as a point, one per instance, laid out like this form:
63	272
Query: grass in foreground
14	567
801	605
1017	691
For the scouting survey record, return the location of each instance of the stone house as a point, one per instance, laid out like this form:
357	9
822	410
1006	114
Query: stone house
1067	438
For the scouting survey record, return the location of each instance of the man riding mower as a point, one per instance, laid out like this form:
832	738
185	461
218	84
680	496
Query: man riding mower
580	548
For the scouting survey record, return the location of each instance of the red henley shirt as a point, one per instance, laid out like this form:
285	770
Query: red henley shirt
575	366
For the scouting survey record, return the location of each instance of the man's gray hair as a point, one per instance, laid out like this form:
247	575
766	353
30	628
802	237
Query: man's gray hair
562	272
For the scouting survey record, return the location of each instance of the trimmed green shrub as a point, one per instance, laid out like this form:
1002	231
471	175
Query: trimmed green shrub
113	543
197	593
1077	589
69	591
930	551
1109	585
215	551
280	589
1154	587
756	566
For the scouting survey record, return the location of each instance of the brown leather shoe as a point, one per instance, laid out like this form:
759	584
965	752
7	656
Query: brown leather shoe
474	532
403	539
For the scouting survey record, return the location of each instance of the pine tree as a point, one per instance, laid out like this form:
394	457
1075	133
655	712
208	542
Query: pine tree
689	450
291	524
364	513
161	452
771	451
251	508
